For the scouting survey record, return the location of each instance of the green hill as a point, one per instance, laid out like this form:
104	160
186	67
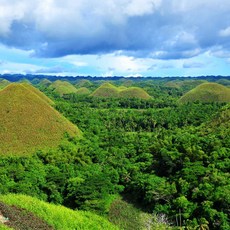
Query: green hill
45	82
207	92
83	91
3	83
55	216
84	83
225	82
28	122
106	90
109	90
62	87
134	92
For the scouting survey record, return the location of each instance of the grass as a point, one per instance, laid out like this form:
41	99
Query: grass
28	122
62	87
58	216
187	84
128	217
134	92
111	91
106	90
207	92
3	83
83	91
45	82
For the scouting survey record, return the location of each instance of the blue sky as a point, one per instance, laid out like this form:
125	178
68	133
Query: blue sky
115	37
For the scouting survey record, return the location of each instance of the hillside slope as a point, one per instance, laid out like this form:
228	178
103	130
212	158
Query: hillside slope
111	91
62	87
106	90
28	122
207	92
57	217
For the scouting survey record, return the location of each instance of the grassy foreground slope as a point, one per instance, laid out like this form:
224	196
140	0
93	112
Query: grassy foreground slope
58	217
28	122
207	92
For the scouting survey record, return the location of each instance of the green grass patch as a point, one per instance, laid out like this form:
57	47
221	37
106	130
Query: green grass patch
58	216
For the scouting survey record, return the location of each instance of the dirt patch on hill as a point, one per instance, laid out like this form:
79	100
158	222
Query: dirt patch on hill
20	219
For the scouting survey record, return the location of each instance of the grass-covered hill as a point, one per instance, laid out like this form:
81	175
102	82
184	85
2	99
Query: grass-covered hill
134	92
83	91
84	83
28	122
45	82
3	83
106	90
62	87
184	84
25	212
111	91
207	92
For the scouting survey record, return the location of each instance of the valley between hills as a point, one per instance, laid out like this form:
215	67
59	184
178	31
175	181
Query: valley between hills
114	153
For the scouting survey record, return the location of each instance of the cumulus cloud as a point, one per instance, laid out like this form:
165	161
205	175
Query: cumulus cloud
159	29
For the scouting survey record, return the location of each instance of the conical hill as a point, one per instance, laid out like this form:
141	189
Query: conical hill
28	122
207	92
62	87
109	90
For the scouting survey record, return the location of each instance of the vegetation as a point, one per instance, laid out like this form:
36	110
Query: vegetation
58	217
28	122
83	91
207	92
142	164
3	83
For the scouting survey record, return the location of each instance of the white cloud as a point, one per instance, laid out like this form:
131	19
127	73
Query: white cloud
225	32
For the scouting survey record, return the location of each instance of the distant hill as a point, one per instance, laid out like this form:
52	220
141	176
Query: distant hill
3	83
28	122
207	92
84	83
62	87
186	85
106	90
45	82
134	92
225	82
25	212
83	91
111	91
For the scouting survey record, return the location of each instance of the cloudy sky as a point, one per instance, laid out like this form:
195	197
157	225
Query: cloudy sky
115	37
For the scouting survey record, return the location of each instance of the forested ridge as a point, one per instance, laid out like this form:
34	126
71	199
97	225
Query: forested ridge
161	156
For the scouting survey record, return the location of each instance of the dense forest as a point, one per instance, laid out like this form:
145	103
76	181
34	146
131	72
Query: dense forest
161	156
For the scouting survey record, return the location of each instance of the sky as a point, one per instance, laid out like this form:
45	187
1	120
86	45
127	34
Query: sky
156	38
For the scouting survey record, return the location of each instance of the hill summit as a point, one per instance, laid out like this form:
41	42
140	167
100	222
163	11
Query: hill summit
28	122
207	92
109	90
